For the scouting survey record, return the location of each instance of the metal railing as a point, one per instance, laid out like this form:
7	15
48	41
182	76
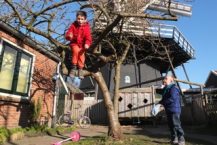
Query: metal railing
175	7
164	6
158	30
169	31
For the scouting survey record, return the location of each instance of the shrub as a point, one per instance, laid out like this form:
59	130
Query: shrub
35	130
4	131
36	107
16	134
3	138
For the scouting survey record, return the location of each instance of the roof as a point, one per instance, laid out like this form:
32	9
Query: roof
211	81
19	35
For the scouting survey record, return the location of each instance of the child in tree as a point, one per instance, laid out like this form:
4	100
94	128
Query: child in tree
79	35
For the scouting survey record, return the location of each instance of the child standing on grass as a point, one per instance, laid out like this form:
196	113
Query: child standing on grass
79	35
171	102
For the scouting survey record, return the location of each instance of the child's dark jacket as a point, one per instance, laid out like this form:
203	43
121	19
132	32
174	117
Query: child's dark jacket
171	99
81	34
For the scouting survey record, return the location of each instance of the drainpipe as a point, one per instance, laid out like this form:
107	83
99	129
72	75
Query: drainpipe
57	78
56	92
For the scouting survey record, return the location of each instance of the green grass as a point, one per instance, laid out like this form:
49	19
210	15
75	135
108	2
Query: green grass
129	140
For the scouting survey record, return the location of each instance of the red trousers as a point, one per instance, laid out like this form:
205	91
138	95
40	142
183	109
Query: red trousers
78	56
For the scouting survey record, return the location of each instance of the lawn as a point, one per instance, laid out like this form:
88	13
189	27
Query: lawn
130	140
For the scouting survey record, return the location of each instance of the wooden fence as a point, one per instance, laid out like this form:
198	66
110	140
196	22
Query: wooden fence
133	102
211	111
95	109
136	102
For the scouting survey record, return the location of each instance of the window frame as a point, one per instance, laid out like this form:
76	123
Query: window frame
13	91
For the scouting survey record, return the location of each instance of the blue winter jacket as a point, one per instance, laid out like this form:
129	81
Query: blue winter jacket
171	99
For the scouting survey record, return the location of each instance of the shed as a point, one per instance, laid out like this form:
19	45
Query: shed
136	102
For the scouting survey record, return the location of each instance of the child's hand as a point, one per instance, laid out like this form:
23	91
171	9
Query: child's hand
86	46
69	36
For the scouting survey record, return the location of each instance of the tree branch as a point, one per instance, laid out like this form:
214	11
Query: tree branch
123	56
98	7
16	12
111	46
105	32
55	5
105	59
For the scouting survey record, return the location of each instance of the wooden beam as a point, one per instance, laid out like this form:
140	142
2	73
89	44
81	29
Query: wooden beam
160	79
187	82
142	83
156	17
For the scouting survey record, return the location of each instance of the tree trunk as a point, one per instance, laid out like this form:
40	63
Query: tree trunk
118	77
114	129
117	86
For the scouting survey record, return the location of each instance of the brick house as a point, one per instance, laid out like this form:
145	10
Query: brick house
26	72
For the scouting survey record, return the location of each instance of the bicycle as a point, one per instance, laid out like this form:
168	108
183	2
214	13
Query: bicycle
67	119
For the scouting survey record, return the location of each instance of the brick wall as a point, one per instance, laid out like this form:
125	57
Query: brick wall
15	111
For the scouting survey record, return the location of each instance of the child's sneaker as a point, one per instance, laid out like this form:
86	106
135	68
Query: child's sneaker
174	141
81	74
181	141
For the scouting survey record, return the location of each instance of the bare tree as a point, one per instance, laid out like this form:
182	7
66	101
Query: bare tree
115	28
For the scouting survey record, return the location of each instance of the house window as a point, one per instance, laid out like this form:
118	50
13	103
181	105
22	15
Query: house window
15	69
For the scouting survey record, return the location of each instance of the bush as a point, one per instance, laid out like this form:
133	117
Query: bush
36	107
3	138
4	131
16	134
35	130
15	130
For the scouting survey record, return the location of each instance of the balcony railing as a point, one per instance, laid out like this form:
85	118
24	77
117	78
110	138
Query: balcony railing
155	30
175	7
168	31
